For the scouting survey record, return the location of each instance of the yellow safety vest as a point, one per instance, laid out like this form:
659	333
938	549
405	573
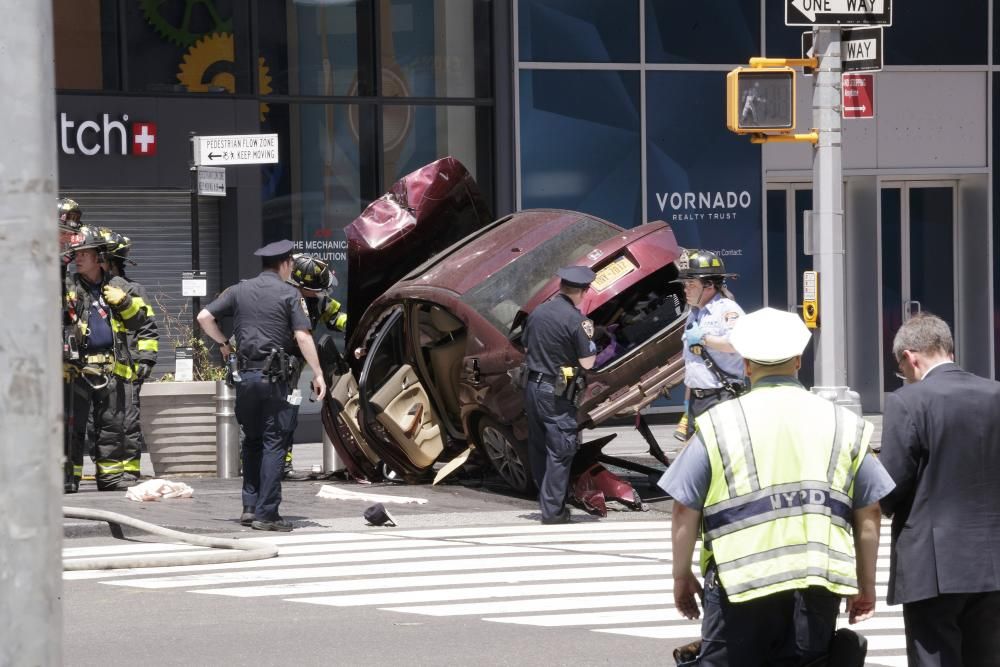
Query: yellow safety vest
779	507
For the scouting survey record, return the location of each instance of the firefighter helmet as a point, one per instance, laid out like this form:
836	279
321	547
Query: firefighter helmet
701	264
69	214
311	273
87	238
119	245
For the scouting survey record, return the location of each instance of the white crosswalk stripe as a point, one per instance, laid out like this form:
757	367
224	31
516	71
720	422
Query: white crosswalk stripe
610	577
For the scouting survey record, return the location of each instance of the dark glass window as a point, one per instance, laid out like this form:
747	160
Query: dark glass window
803	262
782	41
587	31
184	47
929	33
86	36
995	174
892	282
777	253
580	143
708	31
310	48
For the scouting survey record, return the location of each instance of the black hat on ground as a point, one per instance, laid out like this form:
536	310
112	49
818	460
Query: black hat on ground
576	276
378	515
276	249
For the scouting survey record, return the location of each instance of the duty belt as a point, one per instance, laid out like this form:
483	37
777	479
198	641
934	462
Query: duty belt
538	378
705	393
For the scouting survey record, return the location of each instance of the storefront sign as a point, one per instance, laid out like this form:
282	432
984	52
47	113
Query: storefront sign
233	149
110	136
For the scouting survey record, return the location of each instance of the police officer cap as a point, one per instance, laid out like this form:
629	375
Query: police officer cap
378	515
276	249
769	336
576	276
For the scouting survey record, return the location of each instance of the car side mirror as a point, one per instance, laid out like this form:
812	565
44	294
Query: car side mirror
472	370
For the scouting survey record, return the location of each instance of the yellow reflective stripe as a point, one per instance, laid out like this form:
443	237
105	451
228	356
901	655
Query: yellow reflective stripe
288	456
340	322
332	309
78	471
107	466
132	465
118	326
148	345
123	371
133	308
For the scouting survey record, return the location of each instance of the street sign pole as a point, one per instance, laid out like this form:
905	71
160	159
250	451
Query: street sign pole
828	219
31	529
195	234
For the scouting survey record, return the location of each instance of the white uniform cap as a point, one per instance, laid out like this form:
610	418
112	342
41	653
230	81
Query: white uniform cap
769	336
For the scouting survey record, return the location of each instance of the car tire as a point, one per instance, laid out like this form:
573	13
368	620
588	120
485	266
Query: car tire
508	455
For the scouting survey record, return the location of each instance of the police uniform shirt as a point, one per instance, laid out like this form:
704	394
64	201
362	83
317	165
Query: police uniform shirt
557	334
716	318
266	311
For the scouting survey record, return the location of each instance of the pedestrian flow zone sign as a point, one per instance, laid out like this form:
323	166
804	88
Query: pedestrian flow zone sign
235	149
860	49
838	12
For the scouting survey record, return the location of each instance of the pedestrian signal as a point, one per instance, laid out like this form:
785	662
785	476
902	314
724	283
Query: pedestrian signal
760	100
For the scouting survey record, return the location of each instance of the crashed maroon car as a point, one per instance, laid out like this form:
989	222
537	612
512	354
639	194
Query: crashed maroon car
446	291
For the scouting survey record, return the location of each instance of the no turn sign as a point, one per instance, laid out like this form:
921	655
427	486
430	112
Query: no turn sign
858	96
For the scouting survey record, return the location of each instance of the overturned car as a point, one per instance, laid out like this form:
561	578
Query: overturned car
443	292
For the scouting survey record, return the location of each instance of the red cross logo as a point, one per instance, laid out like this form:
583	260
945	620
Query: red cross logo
143	138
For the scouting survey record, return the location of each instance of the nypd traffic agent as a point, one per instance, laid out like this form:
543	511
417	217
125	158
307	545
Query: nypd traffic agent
268	315
782	487
557	340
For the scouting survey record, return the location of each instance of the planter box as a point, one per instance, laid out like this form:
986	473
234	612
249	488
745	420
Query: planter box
178	424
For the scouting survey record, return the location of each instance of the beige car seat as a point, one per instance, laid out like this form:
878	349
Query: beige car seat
446	357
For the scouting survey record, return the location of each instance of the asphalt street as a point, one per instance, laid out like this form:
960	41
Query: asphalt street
467	577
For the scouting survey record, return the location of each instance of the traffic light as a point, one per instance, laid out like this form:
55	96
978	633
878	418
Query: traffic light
760	100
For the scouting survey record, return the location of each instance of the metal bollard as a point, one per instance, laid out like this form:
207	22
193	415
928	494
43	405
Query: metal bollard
331	460
227	432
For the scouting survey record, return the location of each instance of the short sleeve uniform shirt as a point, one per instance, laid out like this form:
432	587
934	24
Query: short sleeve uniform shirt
716	318
557	334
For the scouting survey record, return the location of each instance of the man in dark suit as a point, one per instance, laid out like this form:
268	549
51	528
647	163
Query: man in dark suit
941	444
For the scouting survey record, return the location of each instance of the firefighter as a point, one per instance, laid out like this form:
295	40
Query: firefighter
143	343
713	370
313	277
99	312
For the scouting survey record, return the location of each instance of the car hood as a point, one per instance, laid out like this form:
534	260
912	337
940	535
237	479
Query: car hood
423	213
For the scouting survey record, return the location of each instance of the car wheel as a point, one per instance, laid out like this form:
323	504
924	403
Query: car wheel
508	455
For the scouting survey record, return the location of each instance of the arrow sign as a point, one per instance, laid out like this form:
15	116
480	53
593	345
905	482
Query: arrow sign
838	12
234	149
860	49
858	91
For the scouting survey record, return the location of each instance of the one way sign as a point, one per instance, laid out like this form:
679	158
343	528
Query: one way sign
860	49
838	12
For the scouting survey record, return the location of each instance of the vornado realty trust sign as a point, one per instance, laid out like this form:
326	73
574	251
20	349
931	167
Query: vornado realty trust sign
106	135
710	205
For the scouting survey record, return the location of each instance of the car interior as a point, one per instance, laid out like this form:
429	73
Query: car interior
441	341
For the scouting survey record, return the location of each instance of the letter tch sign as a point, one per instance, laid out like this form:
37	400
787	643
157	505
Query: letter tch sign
107	136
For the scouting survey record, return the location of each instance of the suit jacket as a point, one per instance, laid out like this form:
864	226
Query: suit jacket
941	444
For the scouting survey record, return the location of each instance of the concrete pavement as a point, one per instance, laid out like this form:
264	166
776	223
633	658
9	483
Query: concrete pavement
216	504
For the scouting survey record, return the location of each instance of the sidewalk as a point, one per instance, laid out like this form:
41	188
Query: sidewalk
216	504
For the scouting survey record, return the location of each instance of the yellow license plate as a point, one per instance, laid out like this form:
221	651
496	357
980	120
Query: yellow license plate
611	273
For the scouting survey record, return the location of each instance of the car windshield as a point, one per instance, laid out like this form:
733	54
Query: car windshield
502	295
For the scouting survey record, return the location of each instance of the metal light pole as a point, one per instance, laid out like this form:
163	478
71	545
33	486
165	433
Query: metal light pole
30	344
828	225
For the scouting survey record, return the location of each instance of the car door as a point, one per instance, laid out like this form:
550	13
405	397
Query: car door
397	417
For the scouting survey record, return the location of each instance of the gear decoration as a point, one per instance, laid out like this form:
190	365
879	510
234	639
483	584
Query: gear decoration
182	35
210	62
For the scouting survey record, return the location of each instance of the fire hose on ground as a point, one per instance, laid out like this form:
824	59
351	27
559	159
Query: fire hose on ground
233	550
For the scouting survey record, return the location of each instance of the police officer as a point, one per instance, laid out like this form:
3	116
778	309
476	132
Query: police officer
782	487
557	340
712	368
268	316
144	345
313	278
99	312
